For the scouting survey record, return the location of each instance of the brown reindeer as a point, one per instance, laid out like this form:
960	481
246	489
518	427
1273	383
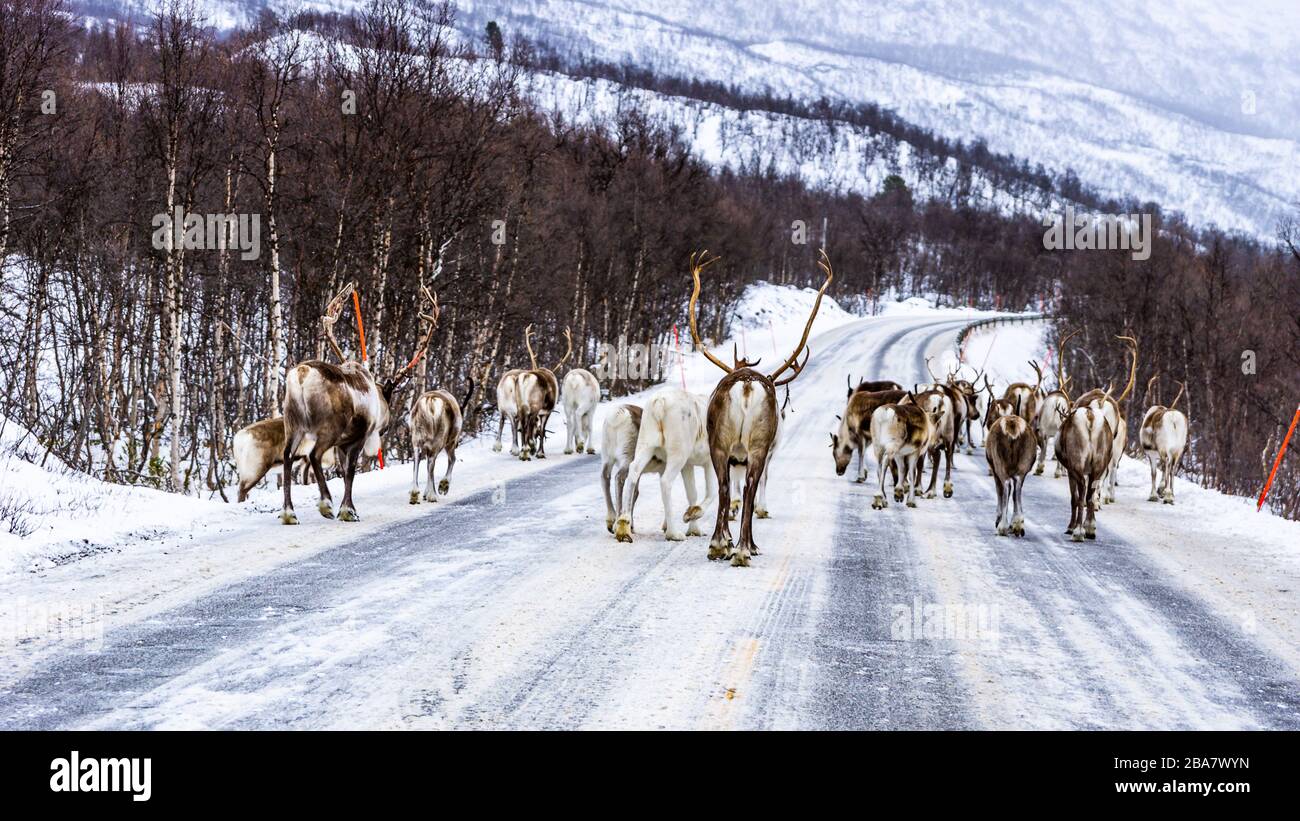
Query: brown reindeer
938	402
327	406
1024	397
1084	447
742	423
259	447
901	435
1010	449
854	434
867	386
539	390
435	423
1113	409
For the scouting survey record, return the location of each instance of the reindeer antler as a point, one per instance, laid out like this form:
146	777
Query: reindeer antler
1181	387
798	369
331	316
931	370
430	321
1033	363
1150	382
699	262
1060	361
1132	371
528	331
565	358
825	264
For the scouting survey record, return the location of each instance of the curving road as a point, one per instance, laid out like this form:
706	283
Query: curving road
513	608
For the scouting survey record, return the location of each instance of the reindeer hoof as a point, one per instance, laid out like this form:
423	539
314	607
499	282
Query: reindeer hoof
1002	531
288	517
582	446
912	502
623	530
325	509
609	525
415	497
541	456
496	448
879	503
928	495
1018	528
739	559
568	451
860	480
692	513
444	486
694	529
761	512
1153	498
347	514
1038	471
430	497
591	451
947	490
898	495
1077	536
1169	500
674	536
1091	535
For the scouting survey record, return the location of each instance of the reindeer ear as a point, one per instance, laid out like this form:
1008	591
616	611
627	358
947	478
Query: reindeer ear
837	416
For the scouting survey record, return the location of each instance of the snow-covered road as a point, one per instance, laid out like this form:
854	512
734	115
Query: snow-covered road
512	607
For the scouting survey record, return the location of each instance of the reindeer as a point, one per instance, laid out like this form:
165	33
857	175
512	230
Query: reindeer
1047	422
673	437
937	400
1009	449
617	450
1164	437
854	434
761	510
902	435
508	407
1024	397
260	446
742	422
435	422
538	391
327	406
866	386
1084	447
1113	409
967	392
580	395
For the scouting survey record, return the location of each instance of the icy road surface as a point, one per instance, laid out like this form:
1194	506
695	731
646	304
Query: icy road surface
511	607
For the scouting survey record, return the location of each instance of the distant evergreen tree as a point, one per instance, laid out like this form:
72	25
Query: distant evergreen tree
495	41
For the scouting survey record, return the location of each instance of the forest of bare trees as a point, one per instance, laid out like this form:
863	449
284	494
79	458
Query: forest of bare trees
382	149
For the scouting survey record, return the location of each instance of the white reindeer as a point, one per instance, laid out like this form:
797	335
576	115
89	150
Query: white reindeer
672	432
1164	438
579	394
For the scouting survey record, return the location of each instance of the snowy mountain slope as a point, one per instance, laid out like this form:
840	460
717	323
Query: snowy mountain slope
1183	104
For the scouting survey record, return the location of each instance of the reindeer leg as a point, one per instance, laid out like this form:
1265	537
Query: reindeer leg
919	458
879	502
414	494
444	487
541	436
1076	516
720	543
501	427
1090	523
693	509
287	516
733	510
429	494
1153	463
606	474
1042	456
623	526
760	508
514	435
348	513
1018	520
1000	524
673	531
1171	467
587	419
745	547
570	431
934	472
326	504
947	471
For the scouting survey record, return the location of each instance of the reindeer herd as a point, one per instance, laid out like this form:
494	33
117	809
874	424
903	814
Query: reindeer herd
334	414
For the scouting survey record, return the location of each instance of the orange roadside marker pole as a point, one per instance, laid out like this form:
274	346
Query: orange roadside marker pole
1278	461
